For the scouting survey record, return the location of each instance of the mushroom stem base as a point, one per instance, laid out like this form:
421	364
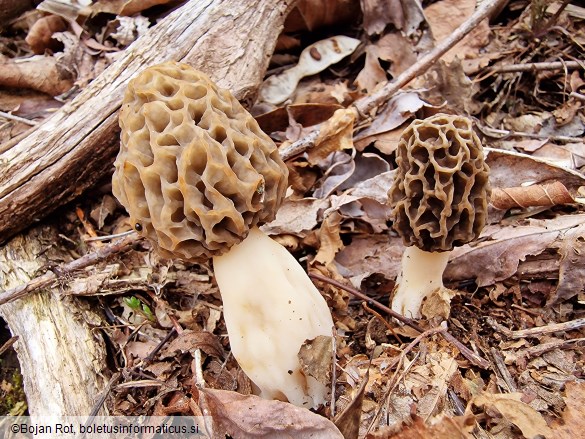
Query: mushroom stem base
422	274
270	308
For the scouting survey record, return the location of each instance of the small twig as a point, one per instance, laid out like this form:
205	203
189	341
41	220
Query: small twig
499	134
576	95
49	277
465	351
9	116
198	369
540	330
366	104
555	327
333	370
526	310
536	66
8	344
102	397
110	237
150	357
383	320
503	370
536	351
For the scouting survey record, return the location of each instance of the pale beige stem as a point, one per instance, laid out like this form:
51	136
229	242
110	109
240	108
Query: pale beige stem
270	308
422	273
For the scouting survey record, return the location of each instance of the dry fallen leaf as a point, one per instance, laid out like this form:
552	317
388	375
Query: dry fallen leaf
329	240
296	216
527	170
394	48
447	15
316	358
544	195
573	422
42	73
250	417
335	135
121	7
499	256
458	427
397	111
190	340
40	35
512	409
348	421
572	265
313	59
404	15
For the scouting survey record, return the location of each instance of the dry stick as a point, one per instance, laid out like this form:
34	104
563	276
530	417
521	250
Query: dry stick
503	370
9	116
465	351
540	330
536	351
49	277
366	104
537	66
8	344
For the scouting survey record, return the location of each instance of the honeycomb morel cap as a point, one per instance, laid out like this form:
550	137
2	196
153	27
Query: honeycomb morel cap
195	172
440	193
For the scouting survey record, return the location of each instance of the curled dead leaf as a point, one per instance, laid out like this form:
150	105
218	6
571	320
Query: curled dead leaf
546	195
42	73
40	35
335	135
279	88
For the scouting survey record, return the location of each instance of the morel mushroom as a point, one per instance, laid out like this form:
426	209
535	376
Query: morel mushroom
439	200
198	176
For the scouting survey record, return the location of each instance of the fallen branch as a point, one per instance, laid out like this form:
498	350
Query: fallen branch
537	66
73	149
50	277
367	104
538	331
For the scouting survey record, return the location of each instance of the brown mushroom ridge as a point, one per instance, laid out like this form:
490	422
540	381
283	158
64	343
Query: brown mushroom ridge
195	172
440	192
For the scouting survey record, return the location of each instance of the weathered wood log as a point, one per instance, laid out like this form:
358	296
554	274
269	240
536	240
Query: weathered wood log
60	357
62	360
229	40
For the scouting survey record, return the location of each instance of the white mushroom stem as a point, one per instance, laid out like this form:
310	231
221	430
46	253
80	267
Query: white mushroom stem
270	308
422	274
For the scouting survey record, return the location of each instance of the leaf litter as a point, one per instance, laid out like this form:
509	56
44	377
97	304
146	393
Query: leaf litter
524	274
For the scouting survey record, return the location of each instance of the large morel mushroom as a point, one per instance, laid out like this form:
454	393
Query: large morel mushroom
439	200
198	176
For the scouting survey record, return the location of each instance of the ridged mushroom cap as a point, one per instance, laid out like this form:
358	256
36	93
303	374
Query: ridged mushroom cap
440	193
195	172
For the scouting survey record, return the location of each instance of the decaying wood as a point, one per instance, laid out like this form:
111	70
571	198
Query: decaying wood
49	277
230	40
61	358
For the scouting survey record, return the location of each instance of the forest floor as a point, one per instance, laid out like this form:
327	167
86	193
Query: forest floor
514	365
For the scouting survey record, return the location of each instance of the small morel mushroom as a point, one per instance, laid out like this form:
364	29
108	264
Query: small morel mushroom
198	176
439	200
